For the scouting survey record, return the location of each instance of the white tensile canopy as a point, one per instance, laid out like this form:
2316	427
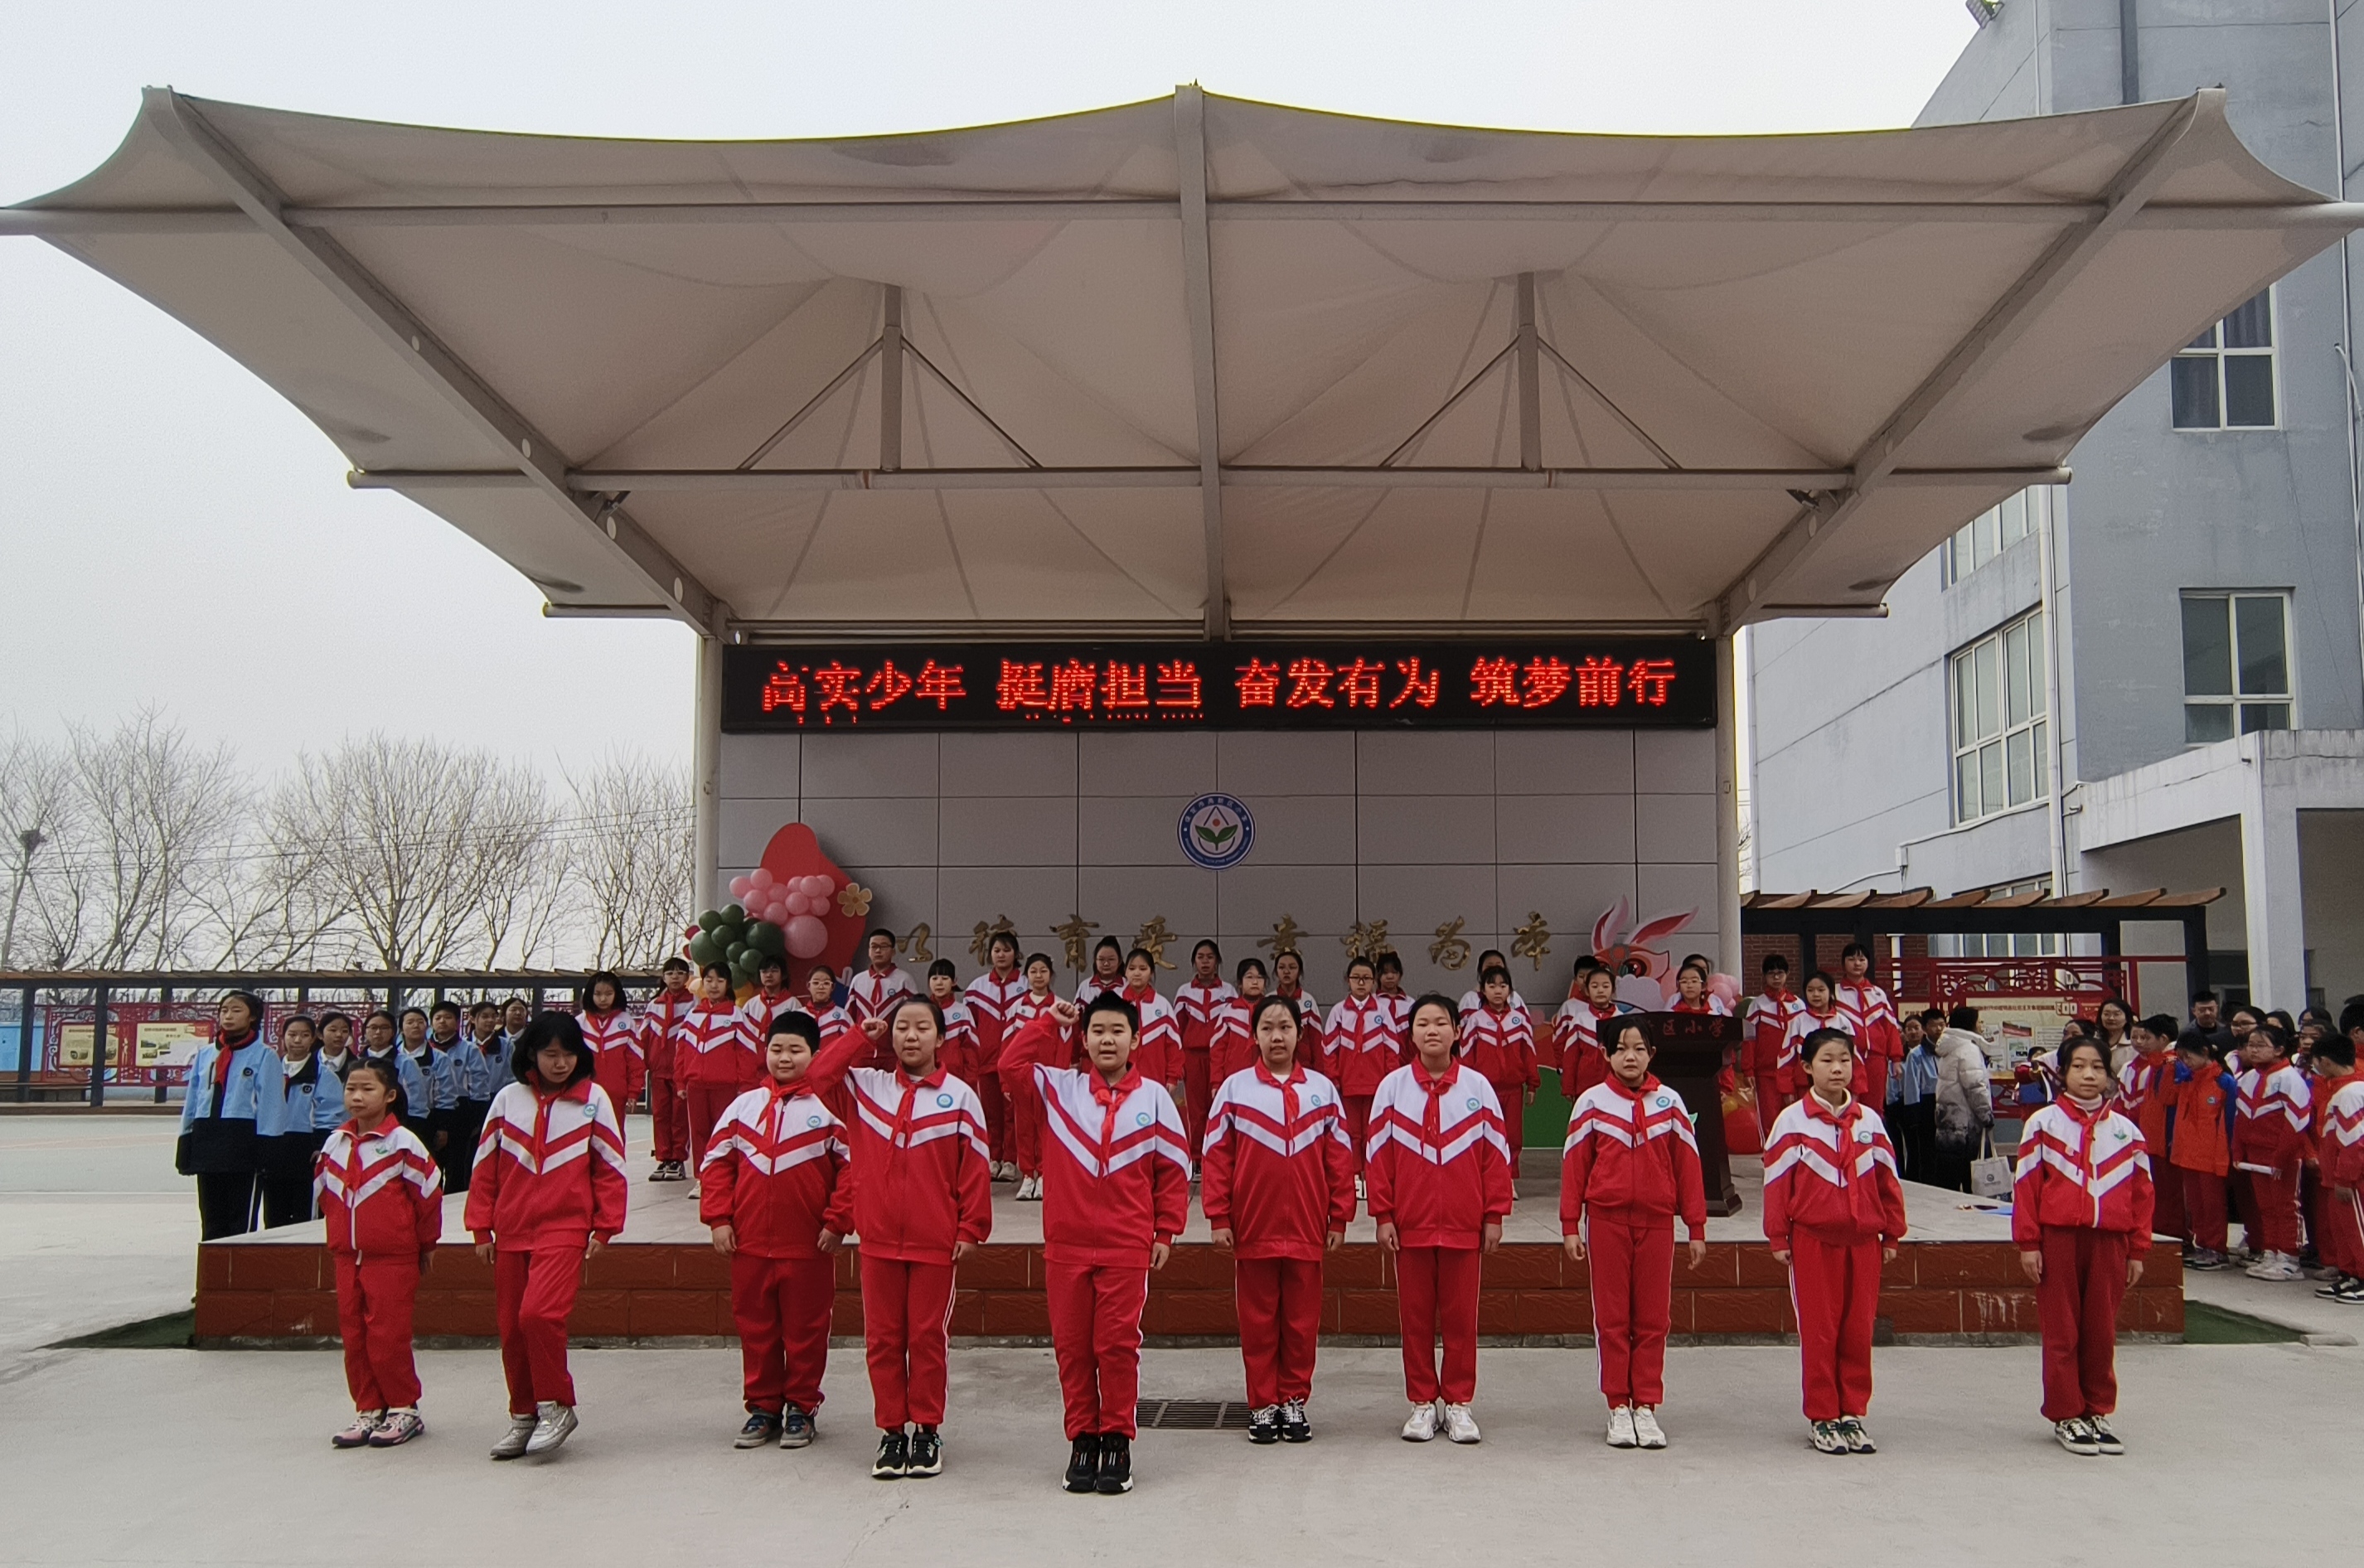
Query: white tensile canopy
1197	362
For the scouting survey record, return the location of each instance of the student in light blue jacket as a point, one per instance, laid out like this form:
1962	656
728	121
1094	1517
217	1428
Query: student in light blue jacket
377	1040
229	1115
311	1106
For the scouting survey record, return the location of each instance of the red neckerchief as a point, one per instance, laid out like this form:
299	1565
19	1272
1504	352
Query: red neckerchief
1110	1096
1823	1017
1599	1012
781	1094
1432	1116
545	1100
2086	1122
228	1046
912	1087
1845	1119
1698	1007
1138	997
1636	1095
1287	1087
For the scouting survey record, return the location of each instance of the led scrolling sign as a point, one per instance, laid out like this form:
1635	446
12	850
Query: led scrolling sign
1548	682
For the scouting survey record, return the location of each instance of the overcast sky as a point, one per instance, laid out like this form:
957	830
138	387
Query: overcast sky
173	533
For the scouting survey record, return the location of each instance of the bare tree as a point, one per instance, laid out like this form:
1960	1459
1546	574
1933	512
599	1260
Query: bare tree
634	851
35	786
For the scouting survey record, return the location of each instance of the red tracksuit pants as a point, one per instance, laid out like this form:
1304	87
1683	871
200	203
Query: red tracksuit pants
669	1120
2167	1202
1280	1320
706	1103
1436	1298
1514	1120
375	1297
1834	1287
2084	1280
2341	1244
781	1308
1096	1340
997	1114
2203	1208
907	1312
2269	1210
1197	1097
1025	1112
532	1294
1768	1102
1633	1305
1358	1123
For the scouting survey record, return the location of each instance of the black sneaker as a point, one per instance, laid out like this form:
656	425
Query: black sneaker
1083	1465
2330	1290
1294	1427
894	1456
795	1428
1264	1424
1115	1464
927	1453
762	1429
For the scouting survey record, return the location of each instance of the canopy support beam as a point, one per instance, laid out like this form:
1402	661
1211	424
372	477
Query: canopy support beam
607	482
1198	307
1807	534
1531	392
534	455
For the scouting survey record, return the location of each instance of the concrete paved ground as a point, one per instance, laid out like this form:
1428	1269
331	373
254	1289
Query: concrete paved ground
94	1228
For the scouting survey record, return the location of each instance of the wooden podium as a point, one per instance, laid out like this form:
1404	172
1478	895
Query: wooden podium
1693	1049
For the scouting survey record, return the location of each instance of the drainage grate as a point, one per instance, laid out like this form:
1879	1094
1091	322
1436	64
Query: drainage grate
1193	1414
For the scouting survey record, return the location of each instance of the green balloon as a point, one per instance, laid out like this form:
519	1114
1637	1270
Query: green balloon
735	914
702	950
709	920
766	938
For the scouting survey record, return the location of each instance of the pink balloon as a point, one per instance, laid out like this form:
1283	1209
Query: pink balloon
738	887
806	937
777	912
760	877
818	885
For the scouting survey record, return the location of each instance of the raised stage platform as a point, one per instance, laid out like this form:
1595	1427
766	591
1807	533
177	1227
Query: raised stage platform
1957	1279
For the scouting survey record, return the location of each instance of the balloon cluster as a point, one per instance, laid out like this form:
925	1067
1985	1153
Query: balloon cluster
795	907
734	937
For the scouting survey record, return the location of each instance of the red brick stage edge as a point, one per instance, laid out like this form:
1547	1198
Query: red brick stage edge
1958	1281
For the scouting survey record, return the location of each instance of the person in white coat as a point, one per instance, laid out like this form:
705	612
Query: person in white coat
1965	1100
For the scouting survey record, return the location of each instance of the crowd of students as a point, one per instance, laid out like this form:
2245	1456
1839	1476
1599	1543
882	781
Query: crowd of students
877	1107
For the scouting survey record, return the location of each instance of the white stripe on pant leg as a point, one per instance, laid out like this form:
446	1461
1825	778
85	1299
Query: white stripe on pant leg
1592	1297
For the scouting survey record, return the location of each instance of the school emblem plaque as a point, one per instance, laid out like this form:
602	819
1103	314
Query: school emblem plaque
1217	831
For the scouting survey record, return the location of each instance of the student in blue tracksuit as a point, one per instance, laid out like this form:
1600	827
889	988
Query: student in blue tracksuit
431	1116
230	1113
311	1106
480	1069
377	1040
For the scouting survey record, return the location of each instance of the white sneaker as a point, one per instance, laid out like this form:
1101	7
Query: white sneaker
1460	1425
1646	1431
1421	1426
2276	1266
1620	1427
1030	1189
1006	1172
557	1423
513	1442
1361	1191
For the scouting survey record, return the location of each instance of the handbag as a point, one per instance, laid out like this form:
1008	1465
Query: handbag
1990	1172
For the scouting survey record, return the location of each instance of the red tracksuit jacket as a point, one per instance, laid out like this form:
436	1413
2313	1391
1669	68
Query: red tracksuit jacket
617	1054
1501	1046
1871	1019
1230	1047
775	1172
1360	1046
2271	1113
759	1010
1277	1172
2081	1170
1832	1172
714	1051
1575	1040
659	1031
922	1171
1437	1166
1630	1155
1159	1054
2341	1151
2146	1095
380	1191
1116	1167
1768	1024
1803	1022
550	1169
1200	1007
989	1001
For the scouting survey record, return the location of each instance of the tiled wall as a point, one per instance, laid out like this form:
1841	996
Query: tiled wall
1414	828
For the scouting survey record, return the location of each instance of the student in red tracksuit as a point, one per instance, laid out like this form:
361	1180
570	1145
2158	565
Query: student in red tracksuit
547	1192
1817	1010
770	999
1631	1165
1198	1004
1277	1185
775	1193
659	1043
1833	1211
2081	1214
1359	1049
1768	1029
618	1053
1576	1032
1288	980
1439	1173
2272	1110
716	1058
2340	1149
1116	1191
2146	1095
2200	1145
989	997
923	1201
960	1050
1157	1048
381	1196
1498	1040
1871	1019
1023	1104
1233	1045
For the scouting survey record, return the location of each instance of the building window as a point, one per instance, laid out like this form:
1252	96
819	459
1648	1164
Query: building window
2223	380
1989	534
2237	674
2000	760
2001	944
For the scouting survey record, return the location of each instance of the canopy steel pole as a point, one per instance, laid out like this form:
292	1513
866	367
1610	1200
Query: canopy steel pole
98	1043
1199	309
890	384
26	1044
1530	410
706	752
